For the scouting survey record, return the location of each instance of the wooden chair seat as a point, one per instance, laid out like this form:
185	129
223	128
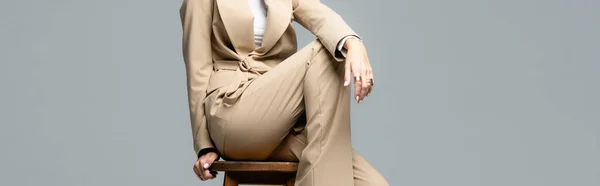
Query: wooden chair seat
251	172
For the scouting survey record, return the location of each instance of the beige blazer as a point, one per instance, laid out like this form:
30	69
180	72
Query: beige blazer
219	52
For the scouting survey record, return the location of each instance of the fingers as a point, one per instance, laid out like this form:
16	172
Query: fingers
201	167
364	82
197	170
347	74
210	159
205	163
369	78
356	68
362	87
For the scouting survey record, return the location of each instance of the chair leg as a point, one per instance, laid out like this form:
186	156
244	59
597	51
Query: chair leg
291	181
228	180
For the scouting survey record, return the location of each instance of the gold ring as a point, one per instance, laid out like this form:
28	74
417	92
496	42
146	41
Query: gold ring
357	78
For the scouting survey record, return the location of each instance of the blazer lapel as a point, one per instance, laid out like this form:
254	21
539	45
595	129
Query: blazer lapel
239	24
279	14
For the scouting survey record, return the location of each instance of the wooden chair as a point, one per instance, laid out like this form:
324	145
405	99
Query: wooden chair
250	172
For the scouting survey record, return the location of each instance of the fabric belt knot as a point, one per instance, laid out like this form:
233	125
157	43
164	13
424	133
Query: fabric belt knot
248	70
249	65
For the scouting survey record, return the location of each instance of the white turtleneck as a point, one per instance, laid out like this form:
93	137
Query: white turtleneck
260	23
260	20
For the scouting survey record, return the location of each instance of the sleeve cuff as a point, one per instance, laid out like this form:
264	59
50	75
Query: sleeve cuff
340	47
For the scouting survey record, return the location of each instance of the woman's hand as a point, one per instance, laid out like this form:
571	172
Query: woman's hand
358	69
202	164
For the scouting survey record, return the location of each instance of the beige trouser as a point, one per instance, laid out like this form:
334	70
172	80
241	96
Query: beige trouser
263	124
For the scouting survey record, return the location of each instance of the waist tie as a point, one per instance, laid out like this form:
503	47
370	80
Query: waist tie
246	71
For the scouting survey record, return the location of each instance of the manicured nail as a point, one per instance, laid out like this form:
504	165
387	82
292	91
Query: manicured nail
346	83
206	165
356	98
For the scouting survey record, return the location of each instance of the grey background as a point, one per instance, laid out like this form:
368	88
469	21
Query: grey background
469	93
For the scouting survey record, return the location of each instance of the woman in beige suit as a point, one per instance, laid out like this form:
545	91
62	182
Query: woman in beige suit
254	96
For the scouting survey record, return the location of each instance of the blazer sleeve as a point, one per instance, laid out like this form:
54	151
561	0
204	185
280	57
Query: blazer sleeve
196	18
329	27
